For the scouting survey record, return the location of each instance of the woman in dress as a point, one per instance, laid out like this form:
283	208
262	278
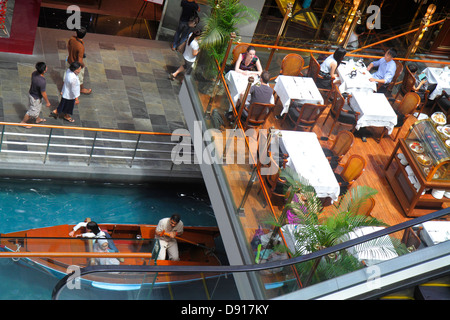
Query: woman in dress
329	67
190	54
70	93
248	63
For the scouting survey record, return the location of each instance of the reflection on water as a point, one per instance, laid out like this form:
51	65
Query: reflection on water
29	204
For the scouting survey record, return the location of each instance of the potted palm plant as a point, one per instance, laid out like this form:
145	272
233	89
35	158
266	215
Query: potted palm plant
315	230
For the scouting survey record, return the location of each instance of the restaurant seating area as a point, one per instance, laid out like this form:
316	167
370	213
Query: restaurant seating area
358	114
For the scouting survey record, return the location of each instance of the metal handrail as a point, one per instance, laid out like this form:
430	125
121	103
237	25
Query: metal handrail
254	267
90	144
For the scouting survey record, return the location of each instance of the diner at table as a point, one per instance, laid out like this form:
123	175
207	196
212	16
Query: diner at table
386	70
307	158
328	68
440	77
248	63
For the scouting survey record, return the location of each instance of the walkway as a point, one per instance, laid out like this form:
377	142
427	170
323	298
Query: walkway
128	77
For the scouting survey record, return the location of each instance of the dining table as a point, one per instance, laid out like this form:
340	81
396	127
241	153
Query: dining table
440	77
302	89
307	158
375	110
237	83
434	232
354	77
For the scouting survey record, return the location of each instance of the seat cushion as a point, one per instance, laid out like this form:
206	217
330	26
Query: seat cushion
347	117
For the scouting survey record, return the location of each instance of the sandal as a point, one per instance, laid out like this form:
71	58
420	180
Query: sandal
54	115
68	119
86	91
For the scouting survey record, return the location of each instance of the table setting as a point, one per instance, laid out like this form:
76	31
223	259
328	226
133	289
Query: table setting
354	77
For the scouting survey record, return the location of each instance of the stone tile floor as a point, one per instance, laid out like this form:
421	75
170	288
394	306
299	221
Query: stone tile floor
128	76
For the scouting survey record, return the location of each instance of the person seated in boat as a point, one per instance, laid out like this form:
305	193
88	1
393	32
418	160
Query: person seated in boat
92	230
166	232
248	63
101	245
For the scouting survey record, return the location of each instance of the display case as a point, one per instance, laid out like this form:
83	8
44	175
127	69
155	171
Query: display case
418	169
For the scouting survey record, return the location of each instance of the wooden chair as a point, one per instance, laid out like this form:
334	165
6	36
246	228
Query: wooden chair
398	72
443	103
313	68
366	207
275	185
304	117
406	107
313	72
341	112
351	171
407	84
292	65
410	239
341	145
256	114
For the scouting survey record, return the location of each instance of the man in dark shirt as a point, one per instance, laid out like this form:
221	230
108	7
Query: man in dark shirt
36	93
189	8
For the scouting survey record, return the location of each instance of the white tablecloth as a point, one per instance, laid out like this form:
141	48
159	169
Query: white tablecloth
359	83
375	109
434	232
373	251
237	83
440	77
300	88
306	157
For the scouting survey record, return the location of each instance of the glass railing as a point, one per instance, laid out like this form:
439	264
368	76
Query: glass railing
240	172
363	248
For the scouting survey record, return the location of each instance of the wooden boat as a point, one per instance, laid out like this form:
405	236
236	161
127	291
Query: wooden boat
196	247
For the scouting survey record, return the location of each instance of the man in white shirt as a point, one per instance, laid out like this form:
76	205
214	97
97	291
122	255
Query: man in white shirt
166	231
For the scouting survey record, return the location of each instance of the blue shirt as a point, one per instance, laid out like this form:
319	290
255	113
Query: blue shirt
386	70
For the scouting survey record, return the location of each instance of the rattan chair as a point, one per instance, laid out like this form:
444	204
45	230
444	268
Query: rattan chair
351	171
341	112
304	117
341	145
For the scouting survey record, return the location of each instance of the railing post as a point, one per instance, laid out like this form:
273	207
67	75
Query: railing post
92	149
280	32
48	144
3	134
135	149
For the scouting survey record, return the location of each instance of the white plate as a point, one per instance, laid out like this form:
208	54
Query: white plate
439	118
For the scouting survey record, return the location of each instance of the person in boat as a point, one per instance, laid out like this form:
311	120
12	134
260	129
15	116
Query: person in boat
166	232
91	230
102	246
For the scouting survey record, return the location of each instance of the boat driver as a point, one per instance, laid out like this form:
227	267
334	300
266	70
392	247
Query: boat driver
166	232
